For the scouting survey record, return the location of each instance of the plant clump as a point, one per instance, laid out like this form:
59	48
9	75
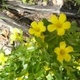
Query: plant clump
50	53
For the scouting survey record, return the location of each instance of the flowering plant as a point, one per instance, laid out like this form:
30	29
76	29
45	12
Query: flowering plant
50	53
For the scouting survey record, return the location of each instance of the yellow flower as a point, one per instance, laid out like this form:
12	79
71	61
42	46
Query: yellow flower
46	68
37	28
62	52
3	59
16	35
19	78
59	24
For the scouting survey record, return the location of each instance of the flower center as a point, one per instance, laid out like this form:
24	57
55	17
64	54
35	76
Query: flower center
59	25
37	29
62	52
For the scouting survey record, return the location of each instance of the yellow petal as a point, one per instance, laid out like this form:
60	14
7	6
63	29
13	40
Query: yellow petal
60	58
40	23
60	32
62	45
13	37
69	49
34	24
41	26
53	19
31	31
62	18
67	57
37	34
51	28
66	25
46	68
57	50
1	56
16	31
19	78
4	59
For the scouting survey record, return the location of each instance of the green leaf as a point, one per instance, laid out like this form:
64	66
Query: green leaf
71	75
31	77
70	39
74	27
39	73
46	55
43	44
57	75
78	1
46	22
77	48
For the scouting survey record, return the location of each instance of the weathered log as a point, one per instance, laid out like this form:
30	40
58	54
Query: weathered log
6	21
42	9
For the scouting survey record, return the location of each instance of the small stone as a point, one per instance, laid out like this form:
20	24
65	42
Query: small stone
7	50
44	3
